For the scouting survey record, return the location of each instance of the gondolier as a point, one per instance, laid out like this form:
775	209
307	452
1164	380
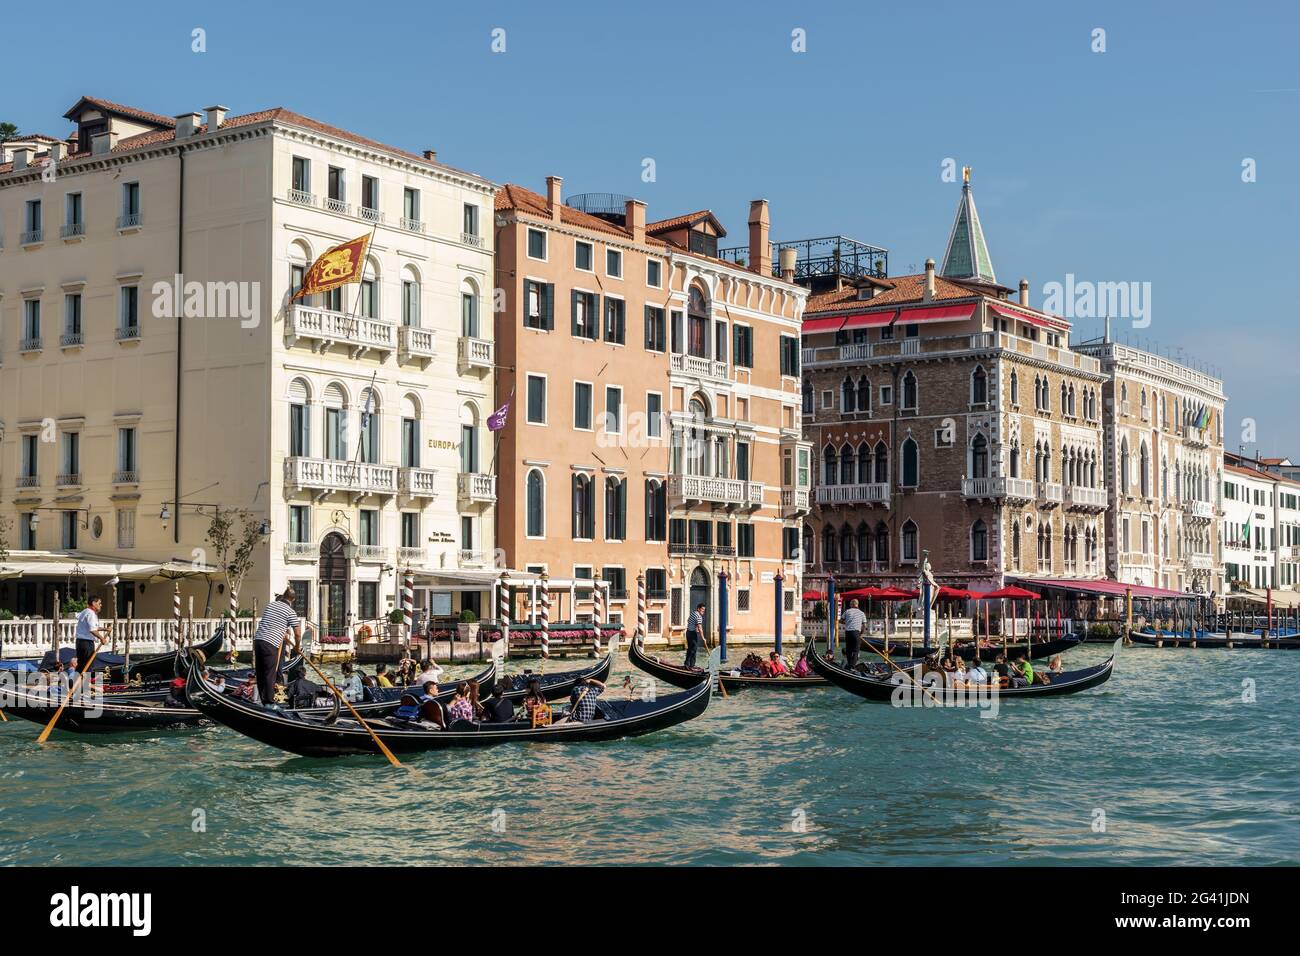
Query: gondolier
89	632
694	630
853	621
278	619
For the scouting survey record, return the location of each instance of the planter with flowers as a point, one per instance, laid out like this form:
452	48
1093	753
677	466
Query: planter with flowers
467	629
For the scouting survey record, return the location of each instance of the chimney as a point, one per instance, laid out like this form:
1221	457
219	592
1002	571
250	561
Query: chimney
553	184
1024	292
634	219
187	124
59	151
22	156
1106	336
216	116
760	250
929	279
102	143
788	257
431	155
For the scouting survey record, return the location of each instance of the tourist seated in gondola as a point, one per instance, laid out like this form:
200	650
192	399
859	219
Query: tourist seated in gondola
351	686
497	709
248	689
948	665
381	676
1002	671
957	676
218	682
801	667
751	666
429	672
976	675
583	706
536	709
301	691
421	708
774	666
1022	672
461	707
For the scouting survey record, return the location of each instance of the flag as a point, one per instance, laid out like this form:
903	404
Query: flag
369	407
1245	530
497	420
336	266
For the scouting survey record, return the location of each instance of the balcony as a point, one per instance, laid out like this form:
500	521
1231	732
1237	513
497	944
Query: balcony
1200	510
324	328
417	482
369	215
371	554
300	551
335	204
302	197
472	558
1050	494
29	345
910	347
72	230
325	475
28	481
469	239
126	476
701	549
32	237
412	225
130	220
69	479
1197	437
416	343
794	501
697	365
71	340
128	333
875	493
475	488
1015	489
411	555
474	354
1081	498
1200	562
732	492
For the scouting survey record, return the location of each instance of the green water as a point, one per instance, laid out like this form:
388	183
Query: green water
1183	770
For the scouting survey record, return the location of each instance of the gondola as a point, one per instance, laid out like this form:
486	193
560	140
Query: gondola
339	735
1068	682
157	688
97	714
968	651
1210	639
156	665
679	675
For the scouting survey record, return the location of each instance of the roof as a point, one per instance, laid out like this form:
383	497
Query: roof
900	290
1104	587
32	137
1252	472
967	256
522	199
120	109
685	222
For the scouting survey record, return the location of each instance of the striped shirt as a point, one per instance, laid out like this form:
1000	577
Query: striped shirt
854	619
695	622
277	618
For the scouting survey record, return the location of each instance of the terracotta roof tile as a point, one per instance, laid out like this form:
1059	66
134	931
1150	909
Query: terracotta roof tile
903	290
108	105
688	219
522	199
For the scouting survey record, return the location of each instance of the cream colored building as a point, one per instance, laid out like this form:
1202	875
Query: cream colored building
122	424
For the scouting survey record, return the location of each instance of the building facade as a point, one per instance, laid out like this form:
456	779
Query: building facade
653	425
950	417
1164	466
1261	526
155	364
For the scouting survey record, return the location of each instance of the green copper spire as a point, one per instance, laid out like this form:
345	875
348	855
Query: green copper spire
968	255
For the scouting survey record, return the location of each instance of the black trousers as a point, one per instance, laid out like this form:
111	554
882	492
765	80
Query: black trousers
85	649
266	664
692	645
852	644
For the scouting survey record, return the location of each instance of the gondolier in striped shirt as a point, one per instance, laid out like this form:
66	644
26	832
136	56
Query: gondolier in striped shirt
854	621
278	620
694	631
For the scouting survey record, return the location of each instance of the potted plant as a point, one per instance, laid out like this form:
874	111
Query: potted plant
396	625
467	629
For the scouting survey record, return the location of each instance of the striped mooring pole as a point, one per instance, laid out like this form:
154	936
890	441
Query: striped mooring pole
599	613
641	621
176	609
408	605
546	615
503	610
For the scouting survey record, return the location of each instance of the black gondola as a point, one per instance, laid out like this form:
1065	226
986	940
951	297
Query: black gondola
1068	682
338	736
968	651
679	675
156	665
1211	639
97	714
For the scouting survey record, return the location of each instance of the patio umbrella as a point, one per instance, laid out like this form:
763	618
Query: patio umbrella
813	596
1014	594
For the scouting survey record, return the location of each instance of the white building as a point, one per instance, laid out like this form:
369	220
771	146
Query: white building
124	424
1261	526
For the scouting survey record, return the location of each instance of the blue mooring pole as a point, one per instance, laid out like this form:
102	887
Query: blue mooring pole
830	615
778	580
722	614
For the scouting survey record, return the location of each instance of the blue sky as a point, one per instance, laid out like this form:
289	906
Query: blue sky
1117	166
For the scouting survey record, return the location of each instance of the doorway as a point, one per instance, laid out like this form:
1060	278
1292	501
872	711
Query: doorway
334	583
700	595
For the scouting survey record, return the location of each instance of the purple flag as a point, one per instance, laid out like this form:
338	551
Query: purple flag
497	420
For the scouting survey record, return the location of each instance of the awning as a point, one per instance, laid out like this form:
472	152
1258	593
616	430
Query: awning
869	320
1018	316
829	324
937	313
1106	588
1259	596
64	563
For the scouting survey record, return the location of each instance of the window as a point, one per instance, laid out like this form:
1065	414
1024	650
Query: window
299	524
656	510
911	464
539	305
886	395
126	449
979	457
654	328
130	308
654	273
126	527
410	443
69	529
979	386
31	455
615	508
369	195
299	442
789	356
742	460
27	540
656	584
744	540
33	221
909	540
742	599
536	400
582	256
585	307
468	450
368	600
979	541
71	455
301	175
654	414
614	263
617	580
369	299
614	320
469	219
582	406
742	353
676	332
72	314
613	409
909	391
584	507
536	244
469	315
302	591
410	529
369	429
130	203
368	527
336	185
72	208
536	504
32	320
1015	388
411	302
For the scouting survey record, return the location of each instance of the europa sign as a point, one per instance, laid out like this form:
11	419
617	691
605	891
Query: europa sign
442	443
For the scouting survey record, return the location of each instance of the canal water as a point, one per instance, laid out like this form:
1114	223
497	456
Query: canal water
1185	756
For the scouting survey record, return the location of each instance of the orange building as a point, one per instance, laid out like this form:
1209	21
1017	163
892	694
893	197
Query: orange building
654	424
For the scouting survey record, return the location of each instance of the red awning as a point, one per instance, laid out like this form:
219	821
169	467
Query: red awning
937	313
1106	588
869	320
1017	316
828	324
1013	593
813	596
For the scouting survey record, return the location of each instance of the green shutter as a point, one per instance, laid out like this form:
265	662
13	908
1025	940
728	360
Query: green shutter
597	317
548	315
573	312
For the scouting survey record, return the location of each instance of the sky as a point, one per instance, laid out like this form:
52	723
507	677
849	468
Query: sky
1114	158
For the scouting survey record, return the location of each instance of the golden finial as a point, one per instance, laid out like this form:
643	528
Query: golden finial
965	174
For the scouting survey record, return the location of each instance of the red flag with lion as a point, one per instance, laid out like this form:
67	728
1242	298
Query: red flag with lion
336	266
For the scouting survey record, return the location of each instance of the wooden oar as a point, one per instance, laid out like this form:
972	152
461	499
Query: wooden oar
348	704
45	734
905	673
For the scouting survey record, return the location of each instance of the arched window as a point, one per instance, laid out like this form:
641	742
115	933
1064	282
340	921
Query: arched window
1123	466
1038	393
909	391
864	464
848	467
979	386
697	323
536	504
911	464
864	394
1065	405
848	395
370	420
864	542
299	419
584	507
1015	543
336	438
410	431
909	540
469	324
656	510
1015	388
615	508
469	439
1013	459
979	457
830	466
830	547
881	463
979	541
808	551
807	398
846	544
882	544
410	296
1144	470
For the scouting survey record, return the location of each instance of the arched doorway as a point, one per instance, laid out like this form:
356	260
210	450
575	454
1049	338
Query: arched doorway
334	580
700	594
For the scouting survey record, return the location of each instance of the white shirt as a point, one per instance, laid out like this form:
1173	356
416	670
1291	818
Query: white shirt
432	674
87	623
977	675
